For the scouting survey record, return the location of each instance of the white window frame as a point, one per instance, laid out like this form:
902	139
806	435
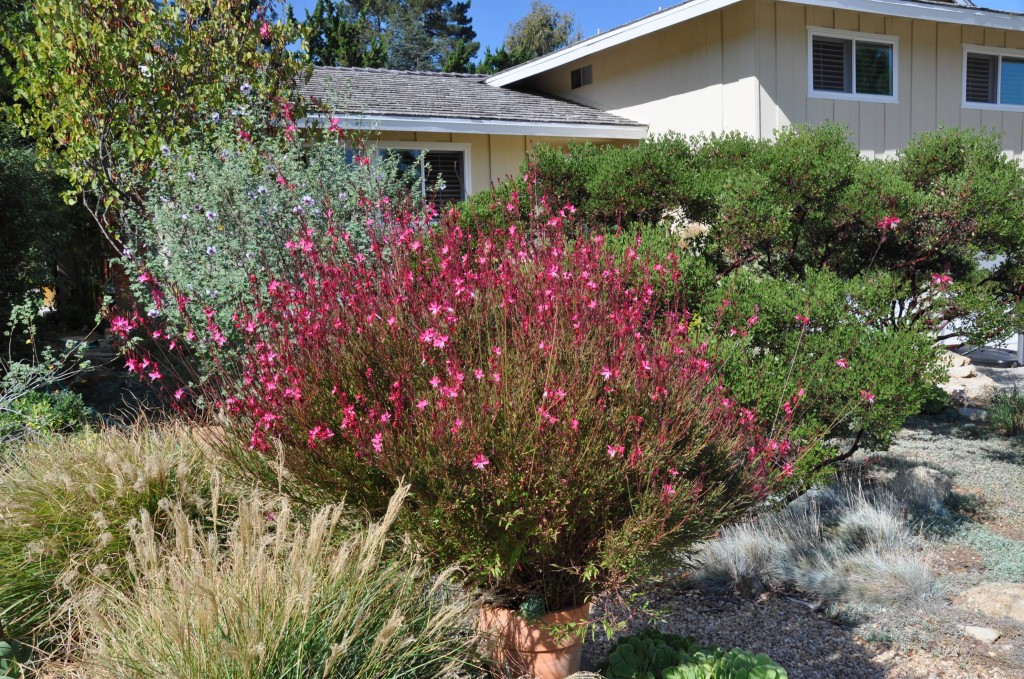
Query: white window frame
424	147
990	51
855	36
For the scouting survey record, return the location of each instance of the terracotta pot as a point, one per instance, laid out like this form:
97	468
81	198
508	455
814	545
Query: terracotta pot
528	649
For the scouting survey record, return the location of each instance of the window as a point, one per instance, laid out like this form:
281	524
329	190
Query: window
993	77
847	65
439	176
581	76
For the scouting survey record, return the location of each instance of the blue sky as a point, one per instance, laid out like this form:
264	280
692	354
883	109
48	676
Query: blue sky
492	17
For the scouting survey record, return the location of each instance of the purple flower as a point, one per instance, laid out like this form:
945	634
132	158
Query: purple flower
246	88
211	251
211	215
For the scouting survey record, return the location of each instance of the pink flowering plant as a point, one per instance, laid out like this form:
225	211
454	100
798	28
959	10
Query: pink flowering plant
561	430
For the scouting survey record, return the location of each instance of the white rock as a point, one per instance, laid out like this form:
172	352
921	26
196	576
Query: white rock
963	372
953	359
994	599
985	634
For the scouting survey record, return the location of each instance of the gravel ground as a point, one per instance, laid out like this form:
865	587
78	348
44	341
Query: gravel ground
981	540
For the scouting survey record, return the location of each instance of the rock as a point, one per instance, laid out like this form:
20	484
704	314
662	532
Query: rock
953	359
974	388
994	599
985	634
749	587
924	487
963	372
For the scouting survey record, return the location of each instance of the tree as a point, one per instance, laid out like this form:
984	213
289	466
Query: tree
544	29
344	34
428	35
107	86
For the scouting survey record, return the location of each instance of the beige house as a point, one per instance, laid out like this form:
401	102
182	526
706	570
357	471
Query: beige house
888	69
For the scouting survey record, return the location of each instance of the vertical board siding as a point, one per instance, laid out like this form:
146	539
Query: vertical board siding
923	73
818	110
790	62
949	88
930	77
765	31
740	106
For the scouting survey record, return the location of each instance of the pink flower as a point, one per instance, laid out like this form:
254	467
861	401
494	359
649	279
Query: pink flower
121	325
496	350
154	374
606	373
478	373
265	31
867	396
179	394
378	442
889	223
787	469
752	321
319	433
422	404
842	363
942	280
480	461
616	451
244	136
804	320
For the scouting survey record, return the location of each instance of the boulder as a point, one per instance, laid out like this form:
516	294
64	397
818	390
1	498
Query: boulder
970	389
924	487
994	599
985	634
951	359
963	372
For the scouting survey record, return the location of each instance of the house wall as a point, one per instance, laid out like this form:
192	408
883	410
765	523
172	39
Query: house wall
492	157
744	68
693	77
930	78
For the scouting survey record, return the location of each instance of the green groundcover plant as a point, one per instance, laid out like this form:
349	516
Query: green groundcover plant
654	655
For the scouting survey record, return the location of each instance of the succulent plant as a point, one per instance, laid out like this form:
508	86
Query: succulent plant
653	655
647	655
532	608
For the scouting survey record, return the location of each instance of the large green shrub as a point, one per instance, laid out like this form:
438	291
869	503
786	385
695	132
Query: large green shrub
884	256
815	336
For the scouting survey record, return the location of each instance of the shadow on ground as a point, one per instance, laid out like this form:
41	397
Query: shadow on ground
808	645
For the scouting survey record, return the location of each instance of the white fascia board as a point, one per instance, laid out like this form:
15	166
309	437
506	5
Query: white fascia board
616	36
952	14
465	126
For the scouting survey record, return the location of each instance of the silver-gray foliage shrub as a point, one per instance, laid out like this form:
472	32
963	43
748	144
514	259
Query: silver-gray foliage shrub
839	544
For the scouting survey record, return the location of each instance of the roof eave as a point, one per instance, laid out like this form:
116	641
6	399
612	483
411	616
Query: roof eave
972	16
951	14
616	36
388	123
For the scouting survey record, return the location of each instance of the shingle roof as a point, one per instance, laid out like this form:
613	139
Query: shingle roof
381	92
